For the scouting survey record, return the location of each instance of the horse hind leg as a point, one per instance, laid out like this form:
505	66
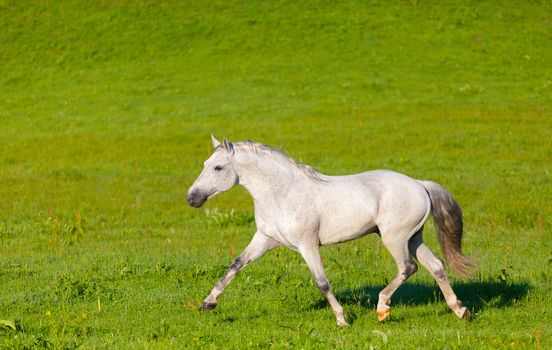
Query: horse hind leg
406	267
437	269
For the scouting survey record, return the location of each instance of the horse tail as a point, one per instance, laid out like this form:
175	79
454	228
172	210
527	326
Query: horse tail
447	217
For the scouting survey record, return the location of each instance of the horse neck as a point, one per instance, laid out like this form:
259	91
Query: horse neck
265	178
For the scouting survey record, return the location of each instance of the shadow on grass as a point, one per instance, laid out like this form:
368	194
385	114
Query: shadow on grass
476	295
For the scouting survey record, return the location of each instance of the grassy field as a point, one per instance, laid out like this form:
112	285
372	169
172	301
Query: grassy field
106	108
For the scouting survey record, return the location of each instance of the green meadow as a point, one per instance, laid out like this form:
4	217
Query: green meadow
106	108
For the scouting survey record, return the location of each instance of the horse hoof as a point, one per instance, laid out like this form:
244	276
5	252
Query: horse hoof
207	306
466	315
342	323
382	315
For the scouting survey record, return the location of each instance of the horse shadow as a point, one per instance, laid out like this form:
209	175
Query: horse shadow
476	295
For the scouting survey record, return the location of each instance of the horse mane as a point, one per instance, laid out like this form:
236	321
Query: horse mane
305	169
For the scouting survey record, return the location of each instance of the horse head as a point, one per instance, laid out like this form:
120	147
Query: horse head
218	174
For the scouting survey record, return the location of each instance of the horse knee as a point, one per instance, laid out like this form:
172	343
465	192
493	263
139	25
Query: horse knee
411	269
407	270
237	264
323	285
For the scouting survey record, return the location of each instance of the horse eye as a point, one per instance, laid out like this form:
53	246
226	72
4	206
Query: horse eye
218	168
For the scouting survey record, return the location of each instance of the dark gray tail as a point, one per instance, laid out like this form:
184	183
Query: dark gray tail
447	216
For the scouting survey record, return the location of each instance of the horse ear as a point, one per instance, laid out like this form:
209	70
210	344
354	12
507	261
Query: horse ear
216	143
227	145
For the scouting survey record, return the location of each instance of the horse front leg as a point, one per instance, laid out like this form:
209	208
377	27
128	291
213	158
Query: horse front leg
259	245
312	258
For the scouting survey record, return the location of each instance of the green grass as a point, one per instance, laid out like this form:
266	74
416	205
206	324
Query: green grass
105	114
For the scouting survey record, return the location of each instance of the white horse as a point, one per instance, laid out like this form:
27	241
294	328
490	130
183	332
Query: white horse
302	209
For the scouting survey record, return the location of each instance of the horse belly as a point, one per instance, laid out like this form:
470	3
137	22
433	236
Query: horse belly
345	226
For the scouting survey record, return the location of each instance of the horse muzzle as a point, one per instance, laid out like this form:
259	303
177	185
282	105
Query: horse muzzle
196	199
